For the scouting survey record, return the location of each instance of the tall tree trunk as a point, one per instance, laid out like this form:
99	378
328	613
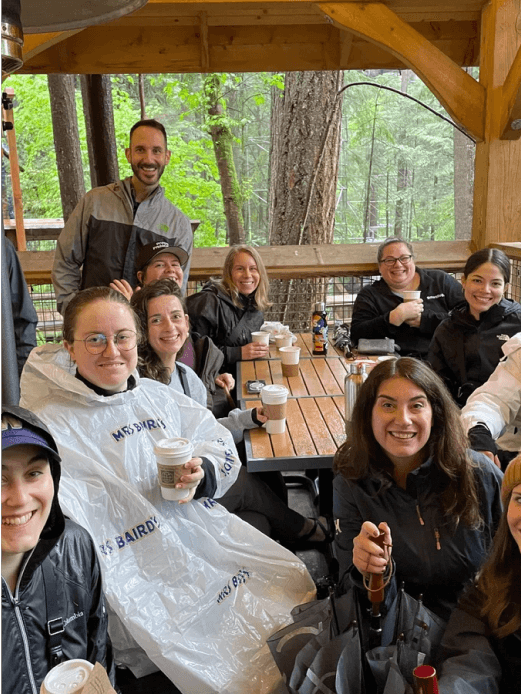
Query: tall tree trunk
402	175
369	189
66	141
305	144
464	151
141	89
222	139
101	137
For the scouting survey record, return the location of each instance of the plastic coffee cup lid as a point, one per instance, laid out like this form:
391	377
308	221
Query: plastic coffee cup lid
290	349
68	677
174	447
274	392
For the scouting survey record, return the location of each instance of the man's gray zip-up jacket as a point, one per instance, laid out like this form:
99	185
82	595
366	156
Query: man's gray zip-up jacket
102	237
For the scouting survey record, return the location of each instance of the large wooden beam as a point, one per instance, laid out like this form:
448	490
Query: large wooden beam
288	262
460	94
511	108
497	180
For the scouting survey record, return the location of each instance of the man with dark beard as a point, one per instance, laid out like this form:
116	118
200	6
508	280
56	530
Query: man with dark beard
110	225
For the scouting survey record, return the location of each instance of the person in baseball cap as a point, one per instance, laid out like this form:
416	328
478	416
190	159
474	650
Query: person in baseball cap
44	555
155	261
159	260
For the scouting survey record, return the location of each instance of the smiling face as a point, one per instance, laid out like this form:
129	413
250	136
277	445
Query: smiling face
148	156
27	495
398	276
110	369
514	515
484	287
401	421
164	265
167	326
245	274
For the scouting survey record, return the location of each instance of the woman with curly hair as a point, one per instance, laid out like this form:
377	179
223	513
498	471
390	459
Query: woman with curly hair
482	643
405	470
229	310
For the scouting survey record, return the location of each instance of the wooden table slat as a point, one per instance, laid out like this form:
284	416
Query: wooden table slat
325	372
333	410
300	437
310	378
322	440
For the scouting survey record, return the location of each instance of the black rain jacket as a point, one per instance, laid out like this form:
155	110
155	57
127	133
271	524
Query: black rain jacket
25	652
465	351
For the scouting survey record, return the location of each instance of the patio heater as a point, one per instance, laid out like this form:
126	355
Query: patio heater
39	17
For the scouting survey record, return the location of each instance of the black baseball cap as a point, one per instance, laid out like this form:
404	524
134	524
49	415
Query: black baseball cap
149	252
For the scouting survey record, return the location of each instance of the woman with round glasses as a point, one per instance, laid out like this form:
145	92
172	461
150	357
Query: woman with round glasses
380	310
161	560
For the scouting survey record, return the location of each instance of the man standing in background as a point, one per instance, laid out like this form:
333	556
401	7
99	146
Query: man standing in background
110	225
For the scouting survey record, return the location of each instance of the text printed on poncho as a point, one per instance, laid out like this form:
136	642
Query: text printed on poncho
129	536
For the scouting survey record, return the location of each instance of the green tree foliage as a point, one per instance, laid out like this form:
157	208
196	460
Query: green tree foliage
404	135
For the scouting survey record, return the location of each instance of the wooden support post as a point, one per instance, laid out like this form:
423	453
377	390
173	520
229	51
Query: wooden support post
497	180
8	117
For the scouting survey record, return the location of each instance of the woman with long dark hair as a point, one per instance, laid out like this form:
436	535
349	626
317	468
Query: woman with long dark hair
405	470
481	648
466	347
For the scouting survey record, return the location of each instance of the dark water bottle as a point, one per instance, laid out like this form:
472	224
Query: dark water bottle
319	328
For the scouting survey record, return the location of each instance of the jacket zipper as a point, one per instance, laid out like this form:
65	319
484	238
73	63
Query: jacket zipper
422	522
16	603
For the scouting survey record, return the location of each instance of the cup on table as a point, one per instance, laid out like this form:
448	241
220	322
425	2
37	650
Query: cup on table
69	677
411	296
171	456
262	337
274	400
283	340
290	357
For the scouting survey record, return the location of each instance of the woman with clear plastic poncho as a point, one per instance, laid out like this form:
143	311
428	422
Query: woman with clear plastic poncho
193	591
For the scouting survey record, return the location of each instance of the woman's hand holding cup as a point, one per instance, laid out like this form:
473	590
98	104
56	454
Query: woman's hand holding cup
254	350
368	557
407	312
189	480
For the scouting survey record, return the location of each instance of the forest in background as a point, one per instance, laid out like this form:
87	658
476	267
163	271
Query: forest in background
401	169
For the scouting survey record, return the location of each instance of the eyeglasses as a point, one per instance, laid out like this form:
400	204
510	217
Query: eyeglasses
403	259
97	343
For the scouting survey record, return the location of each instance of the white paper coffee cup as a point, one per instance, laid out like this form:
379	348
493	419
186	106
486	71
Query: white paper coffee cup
171	455
283	340
411	296
261	336
69	677
274	399
290	357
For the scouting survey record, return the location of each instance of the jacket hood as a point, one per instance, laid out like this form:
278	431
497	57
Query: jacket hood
51	367
55	524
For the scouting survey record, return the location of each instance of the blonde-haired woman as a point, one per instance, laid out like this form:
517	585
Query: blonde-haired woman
229	310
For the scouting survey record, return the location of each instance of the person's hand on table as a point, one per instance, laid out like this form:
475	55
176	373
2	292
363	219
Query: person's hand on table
123	287
368	557
409	312
225	381
254	350
261	414
190	480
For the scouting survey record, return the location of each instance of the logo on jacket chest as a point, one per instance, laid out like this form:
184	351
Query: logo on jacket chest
136	428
